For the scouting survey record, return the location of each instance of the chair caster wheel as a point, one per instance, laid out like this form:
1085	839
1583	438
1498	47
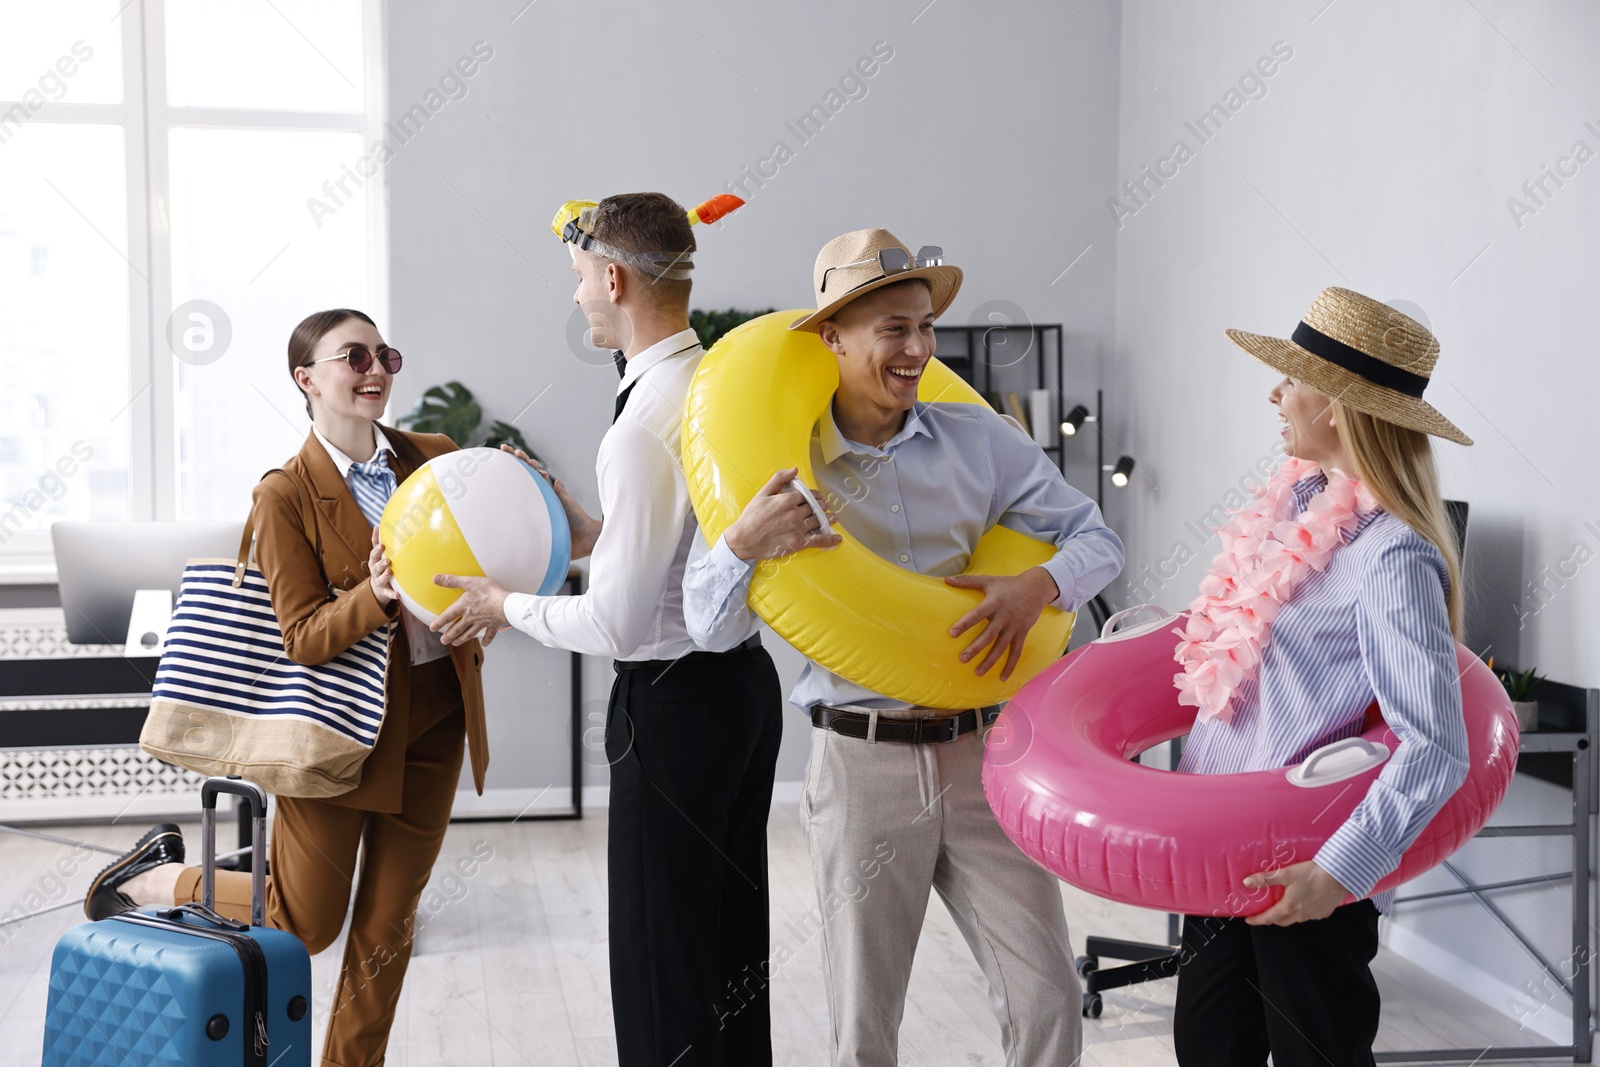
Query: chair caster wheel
1092	1005
1087	964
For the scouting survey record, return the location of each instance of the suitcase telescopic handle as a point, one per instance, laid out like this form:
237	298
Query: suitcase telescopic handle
256	798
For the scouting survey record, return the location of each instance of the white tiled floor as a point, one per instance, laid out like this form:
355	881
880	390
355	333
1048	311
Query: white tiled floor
513	969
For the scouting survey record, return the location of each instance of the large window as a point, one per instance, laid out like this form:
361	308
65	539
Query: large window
180	182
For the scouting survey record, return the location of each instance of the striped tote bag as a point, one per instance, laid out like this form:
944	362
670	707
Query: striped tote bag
228	700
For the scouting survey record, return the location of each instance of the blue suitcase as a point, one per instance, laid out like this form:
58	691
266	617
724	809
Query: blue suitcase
183	986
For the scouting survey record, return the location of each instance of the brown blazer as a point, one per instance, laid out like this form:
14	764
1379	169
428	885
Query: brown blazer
320	621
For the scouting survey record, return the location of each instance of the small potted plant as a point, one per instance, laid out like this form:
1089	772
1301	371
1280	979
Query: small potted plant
1520	687
452	410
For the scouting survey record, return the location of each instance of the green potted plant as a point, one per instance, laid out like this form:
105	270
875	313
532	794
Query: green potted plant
1520	687
710	325
452	410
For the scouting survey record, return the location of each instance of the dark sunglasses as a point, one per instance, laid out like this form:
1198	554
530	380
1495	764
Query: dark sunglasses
893	261
360	358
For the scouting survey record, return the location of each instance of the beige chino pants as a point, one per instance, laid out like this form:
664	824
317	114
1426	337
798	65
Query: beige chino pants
885	823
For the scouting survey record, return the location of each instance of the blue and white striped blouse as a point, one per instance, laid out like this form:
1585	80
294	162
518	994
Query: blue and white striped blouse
1372	626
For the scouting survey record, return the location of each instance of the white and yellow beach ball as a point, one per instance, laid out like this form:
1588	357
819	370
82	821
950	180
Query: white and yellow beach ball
477	511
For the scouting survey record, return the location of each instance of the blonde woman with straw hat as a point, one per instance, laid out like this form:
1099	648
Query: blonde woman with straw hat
1338	585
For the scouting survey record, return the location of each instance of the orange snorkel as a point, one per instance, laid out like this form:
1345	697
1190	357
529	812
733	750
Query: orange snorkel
717	207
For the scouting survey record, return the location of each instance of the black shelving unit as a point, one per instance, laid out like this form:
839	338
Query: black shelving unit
975	352
573	586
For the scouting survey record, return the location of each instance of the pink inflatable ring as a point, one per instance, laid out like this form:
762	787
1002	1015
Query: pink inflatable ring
1059	774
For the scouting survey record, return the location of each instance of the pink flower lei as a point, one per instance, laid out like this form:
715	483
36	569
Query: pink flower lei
1267	550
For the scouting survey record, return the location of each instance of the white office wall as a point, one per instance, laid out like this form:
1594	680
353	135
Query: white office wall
991	131
1382	158
1379	154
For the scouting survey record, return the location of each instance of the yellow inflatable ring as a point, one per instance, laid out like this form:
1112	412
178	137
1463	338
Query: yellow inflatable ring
750	411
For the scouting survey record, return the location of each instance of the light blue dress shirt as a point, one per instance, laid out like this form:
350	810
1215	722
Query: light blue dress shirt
1372	626
922	501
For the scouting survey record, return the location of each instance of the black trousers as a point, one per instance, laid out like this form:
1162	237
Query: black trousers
693	746
1304	992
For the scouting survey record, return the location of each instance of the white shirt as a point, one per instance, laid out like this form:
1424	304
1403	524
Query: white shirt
426	646
633	609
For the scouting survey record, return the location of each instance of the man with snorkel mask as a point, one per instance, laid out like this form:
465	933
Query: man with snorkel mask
691	735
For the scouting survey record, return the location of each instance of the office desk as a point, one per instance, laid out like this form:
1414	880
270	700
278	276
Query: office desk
70	718
1562	752
69	730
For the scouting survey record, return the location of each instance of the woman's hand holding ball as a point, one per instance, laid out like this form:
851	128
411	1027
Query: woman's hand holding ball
382	574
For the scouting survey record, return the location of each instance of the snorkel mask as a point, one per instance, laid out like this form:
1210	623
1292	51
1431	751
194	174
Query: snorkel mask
574	224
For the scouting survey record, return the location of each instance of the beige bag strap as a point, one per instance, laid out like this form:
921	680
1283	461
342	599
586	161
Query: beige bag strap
308	523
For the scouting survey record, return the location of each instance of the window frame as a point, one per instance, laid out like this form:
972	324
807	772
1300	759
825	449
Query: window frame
147	121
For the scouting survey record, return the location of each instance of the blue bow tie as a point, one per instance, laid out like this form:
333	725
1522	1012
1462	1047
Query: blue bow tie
373	483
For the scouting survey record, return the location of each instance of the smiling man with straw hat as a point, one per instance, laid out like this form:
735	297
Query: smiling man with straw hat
854	264
893	802
1349	557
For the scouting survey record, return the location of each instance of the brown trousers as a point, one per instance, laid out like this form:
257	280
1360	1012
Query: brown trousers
313	850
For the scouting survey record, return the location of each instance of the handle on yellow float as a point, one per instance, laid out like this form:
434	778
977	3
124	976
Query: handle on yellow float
810	497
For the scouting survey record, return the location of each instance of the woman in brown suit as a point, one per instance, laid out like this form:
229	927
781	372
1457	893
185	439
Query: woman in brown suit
331	586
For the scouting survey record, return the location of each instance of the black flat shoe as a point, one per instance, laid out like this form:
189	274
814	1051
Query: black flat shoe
161	844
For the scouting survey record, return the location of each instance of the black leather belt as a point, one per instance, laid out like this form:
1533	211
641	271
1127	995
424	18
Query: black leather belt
923	730
749	643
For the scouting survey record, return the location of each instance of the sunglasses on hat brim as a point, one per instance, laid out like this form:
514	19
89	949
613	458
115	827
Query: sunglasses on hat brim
893	261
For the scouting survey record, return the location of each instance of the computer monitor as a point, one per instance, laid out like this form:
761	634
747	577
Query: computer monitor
1457	510
100	565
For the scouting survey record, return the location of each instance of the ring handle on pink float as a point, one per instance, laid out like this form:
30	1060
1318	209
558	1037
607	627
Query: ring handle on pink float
1059	774
1109	631
1368	754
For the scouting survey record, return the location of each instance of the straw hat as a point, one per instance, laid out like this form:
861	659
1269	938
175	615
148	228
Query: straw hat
1362	353
848	267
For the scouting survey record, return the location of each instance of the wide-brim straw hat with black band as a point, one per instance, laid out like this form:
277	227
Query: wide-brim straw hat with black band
1363	353
848	268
